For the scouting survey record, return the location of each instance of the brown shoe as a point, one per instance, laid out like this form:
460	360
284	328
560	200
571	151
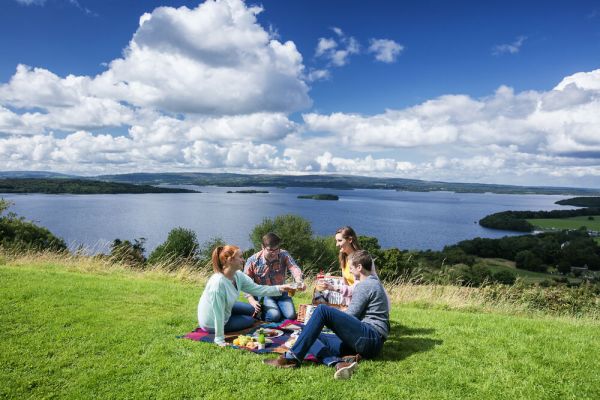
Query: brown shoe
282	362
344	370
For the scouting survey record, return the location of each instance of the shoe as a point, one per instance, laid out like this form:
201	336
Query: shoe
344	370
282	362
351	359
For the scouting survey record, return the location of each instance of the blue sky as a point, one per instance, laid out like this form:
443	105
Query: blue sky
501	92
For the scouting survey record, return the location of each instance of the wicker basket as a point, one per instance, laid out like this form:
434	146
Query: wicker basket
304	309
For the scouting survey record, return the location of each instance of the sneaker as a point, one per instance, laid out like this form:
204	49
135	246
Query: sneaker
351	359
344	370
282	362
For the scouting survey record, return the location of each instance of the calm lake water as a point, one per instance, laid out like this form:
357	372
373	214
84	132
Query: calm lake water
407	220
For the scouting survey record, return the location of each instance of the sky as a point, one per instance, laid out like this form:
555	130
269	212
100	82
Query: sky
501	92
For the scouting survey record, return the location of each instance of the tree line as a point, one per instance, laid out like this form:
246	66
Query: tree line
517	220
455	264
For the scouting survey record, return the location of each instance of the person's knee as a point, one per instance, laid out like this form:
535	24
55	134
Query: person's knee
289	314
273	315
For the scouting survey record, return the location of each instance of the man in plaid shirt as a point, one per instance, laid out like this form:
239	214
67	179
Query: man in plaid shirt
269	267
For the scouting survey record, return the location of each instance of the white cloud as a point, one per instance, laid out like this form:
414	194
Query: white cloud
209	89
582	80
385	50
325	45
318	75
337	52
561	121
214	59
31	2
510	48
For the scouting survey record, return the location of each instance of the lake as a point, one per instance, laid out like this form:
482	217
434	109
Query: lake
407	220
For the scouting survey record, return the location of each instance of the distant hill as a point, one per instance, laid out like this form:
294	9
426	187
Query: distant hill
319	181
34	174
335	182
78	186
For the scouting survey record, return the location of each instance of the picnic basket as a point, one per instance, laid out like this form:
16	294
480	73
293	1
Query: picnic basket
330	298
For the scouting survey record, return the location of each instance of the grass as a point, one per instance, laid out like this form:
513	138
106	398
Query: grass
77	330
499	264
567	223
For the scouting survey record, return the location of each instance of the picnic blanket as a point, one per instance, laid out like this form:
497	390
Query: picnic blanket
277	346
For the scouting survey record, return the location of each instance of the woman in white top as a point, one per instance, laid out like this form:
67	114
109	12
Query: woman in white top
218	308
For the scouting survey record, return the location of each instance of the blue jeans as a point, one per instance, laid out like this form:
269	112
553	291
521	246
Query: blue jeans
351	336
241	317
278	308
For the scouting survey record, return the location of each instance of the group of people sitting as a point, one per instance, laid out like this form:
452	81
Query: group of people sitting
359	331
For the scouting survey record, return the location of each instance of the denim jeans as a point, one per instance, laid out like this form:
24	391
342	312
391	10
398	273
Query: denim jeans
278	308
351	336
241	317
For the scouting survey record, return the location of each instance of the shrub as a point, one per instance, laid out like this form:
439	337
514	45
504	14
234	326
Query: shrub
18	234
505	277
526	259
295	232
131	254
181	246
205	252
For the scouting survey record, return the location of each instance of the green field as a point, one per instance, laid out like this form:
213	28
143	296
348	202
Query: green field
567	223
500	264
112	335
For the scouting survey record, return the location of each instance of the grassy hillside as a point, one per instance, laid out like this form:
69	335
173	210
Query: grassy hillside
70	333
567	223
500	264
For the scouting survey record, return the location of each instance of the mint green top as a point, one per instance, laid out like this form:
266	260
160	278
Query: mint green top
219	296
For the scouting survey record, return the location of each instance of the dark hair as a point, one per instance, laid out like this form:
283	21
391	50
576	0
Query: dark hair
347	233
363	258
271	239
221	255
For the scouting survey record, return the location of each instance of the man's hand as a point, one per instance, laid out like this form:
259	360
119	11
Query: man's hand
301	286
322	285
254	303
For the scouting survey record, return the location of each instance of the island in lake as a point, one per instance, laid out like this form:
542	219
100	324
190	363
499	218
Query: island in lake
580	202
319	196
247	191
79	186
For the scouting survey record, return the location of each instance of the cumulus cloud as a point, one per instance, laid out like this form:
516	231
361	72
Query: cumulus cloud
509	48
385	50
209	89
561	121
337	52
214	59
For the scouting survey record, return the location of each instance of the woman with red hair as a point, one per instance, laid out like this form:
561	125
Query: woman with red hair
218	308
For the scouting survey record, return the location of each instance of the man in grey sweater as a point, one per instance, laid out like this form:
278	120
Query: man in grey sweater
361	330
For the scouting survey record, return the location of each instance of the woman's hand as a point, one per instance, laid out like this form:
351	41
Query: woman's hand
322	285
286	287
254	303
301	286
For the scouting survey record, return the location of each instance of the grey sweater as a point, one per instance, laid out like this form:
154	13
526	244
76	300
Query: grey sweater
370	305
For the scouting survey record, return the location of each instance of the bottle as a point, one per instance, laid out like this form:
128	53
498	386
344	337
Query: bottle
261	339
320	278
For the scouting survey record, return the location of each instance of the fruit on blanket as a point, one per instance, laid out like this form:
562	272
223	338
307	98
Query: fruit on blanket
242	340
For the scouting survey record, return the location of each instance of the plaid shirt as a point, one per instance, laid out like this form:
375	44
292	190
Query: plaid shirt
274	272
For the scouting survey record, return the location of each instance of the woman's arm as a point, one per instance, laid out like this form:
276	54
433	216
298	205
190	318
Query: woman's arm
247	285
218	305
